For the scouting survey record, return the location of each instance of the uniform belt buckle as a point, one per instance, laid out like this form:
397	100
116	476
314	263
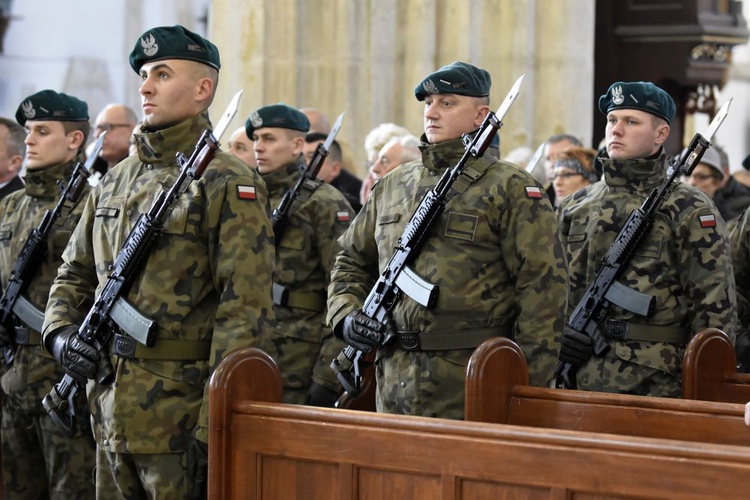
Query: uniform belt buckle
124	346
409	341
22	335
617	330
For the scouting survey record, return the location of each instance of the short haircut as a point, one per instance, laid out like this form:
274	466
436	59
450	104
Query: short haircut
574	141
84	127
335	150
16	141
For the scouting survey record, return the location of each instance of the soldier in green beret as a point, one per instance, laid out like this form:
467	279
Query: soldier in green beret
684	261
301	344
494	254
207	282
39	461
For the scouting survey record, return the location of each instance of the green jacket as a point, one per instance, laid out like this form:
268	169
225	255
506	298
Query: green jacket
207	279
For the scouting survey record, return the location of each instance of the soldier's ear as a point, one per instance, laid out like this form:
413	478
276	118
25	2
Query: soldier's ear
662	132
75	139
482	112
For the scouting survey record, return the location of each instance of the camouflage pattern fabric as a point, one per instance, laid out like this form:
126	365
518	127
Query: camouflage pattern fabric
496	257
740	241
161	474
684	262
208	277
33	448
304	258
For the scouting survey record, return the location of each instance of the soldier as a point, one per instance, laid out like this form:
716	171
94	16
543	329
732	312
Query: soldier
12	152
740	242
684	261
301	344
206	283
39	461
494	255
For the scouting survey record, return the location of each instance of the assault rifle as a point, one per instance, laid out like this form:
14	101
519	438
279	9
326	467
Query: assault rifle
605	289
13	305
98	325
397	277
281	212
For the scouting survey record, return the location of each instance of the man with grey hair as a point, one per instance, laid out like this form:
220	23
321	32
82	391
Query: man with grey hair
397	151
12	152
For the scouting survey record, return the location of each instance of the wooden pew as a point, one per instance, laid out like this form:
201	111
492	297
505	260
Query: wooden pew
709	370
273	450
497	391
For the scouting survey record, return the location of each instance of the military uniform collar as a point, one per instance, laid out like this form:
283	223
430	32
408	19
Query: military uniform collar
441	156
638	174
284	178
161	146
43	183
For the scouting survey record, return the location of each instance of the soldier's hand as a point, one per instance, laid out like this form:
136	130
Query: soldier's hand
576	347
197	468
321	395
362	332
4	337
79	359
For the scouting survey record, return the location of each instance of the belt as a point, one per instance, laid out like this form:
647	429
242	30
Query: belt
25	336
622	330
164	349
284	297
443	341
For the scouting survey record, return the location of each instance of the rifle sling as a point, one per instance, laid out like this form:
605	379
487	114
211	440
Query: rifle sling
469	175
622	330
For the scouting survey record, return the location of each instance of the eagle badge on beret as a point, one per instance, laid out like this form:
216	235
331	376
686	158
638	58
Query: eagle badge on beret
150	47
430	87
28	110
256	120
617	97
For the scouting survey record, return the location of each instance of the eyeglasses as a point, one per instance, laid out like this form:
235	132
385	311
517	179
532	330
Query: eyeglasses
566	175
107	127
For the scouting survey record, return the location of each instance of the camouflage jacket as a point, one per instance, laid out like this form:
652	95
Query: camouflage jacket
493	253
34	371
208	278
684	261
304	258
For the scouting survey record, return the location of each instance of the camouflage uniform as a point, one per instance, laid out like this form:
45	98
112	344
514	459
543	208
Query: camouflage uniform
495	256
38	460
684	262
206	283
740	241
304	258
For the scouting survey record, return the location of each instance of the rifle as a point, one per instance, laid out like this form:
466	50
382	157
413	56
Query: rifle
281	212
605	289
397	277
97	326
13	305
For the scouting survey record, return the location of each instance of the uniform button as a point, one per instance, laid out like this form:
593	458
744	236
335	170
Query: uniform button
129	213
403	384
149	166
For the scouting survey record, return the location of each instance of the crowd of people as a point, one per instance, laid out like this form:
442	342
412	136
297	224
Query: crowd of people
509	255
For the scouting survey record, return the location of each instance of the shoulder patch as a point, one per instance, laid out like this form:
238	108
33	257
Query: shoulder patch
343	216
246	192
533	192
707	220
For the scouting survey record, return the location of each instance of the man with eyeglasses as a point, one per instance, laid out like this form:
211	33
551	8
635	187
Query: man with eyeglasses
118	121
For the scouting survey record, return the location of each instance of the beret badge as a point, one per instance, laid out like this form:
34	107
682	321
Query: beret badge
28	110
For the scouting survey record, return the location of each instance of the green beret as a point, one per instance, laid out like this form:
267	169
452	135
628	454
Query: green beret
456	78
173	42
52	106
278	116
644	96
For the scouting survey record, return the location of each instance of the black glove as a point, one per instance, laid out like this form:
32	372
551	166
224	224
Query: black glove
576	347
197	468
363	332
4	337
321	396
79	359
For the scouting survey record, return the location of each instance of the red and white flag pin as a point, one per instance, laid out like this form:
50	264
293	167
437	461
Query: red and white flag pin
533	192
707	220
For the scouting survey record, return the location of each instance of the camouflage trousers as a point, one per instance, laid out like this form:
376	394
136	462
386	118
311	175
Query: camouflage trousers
421	383
132	476
40	462
619	371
